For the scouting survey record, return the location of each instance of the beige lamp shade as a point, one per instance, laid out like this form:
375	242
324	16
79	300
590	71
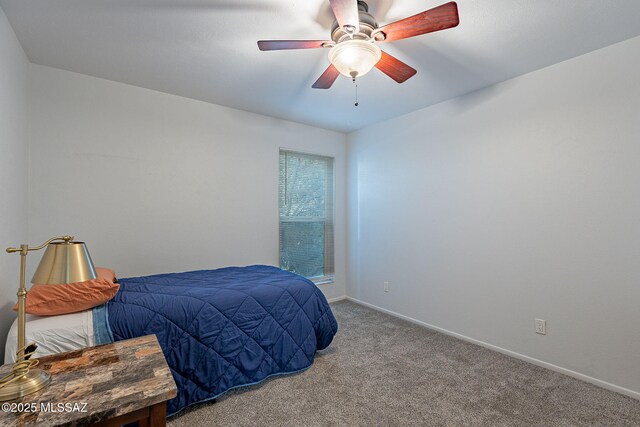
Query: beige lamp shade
64	262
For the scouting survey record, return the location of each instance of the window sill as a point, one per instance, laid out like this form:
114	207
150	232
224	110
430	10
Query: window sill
324	280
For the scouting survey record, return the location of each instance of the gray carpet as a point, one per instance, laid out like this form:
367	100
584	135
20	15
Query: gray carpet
383	371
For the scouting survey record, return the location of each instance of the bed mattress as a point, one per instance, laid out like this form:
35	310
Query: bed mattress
226	328
53	334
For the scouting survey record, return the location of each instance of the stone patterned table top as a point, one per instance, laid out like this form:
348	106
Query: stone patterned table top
112	379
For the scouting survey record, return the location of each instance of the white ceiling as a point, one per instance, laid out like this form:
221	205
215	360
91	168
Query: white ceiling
206	49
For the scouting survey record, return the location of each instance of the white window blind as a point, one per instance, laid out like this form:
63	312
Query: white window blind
306	215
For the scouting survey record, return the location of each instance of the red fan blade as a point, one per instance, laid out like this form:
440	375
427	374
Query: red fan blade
327	78
394	68
291	44
436	19
346	12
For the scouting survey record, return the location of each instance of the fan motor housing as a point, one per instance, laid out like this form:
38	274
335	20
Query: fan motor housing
367	24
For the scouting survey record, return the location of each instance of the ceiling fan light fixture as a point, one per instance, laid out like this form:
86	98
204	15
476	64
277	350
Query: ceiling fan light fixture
355	58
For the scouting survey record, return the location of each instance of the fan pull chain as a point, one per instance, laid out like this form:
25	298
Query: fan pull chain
356	83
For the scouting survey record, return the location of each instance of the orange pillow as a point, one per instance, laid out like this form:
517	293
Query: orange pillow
106	273
50	300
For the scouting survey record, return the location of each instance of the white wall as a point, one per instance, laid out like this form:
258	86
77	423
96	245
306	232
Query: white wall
13	168
516	202
158	183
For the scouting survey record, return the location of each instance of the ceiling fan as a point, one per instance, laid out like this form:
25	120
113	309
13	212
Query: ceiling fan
354	37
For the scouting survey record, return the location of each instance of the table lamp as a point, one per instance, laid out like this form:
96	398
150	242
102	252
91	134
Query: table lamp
64	261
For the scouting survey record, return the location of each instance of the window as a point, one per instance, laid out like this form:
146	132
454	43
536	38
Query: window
306	215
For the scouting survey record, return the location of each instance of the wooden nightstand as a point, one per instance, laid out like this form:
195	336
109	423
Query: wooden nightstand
107	385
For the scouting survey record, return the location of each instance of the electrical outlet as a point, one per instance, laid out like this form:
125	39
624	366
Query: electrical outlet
541	327
386	286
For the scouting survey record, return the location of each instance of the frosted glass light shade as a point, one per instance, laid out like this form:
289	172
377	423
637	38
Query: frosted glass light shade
354	58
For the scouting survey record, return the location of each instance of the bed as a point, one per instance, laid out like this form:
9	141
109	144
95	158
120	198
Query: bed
219	329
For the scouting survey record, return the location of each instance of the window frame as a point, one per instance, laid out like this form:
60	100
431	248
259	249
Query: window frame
325	278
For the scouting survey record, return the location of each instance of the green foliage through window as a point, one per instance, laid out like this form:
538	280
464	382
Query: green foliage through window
306	214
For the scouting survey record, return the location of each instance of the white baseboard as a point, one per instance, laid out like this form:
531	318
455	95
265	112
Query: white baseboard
578	375
336	299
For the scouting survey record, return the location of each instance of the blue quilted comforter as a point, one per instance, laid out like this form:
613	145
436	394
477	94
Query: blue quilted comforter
224	328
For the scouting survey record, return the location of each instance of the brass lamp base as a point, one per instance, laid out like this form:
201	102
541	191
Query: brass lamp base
34	381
